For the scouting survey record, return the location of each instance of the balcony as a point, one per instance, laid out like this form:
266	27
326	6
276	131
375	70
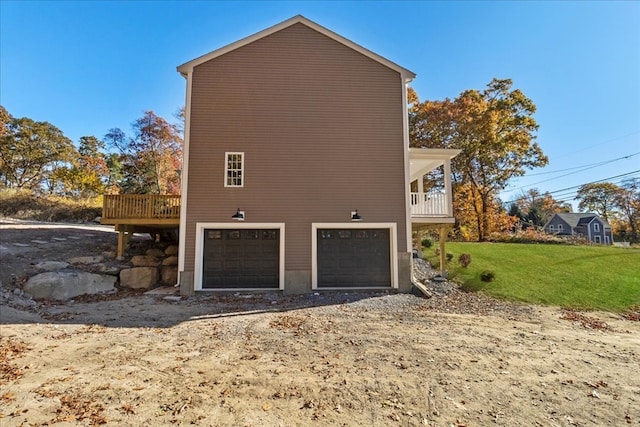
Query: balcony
435	205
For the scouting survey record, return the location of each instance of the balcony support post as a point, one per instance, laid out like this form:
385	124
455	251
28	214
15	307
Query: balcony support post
443	253
448	190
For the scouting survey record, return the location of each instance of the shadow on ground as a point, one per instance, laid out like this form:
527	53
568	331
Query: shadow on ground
128	310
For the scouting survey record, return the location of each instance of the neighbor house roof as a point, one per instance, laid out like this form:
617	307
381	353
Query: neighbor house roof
580	218
187	67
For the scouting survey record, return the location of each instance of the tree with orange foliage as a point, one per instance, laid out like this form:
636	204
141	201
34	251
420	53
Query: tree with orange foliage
495	130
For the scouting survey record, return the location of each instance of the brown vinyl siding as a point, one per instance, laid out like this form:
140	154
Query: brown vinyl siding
321	129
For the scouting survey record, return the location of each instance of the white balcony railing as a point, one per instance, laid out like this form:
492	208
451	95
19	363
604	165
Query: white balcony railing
430	205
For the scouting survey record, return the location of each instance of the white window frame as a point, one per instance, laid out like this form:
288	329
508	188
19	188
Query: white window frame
551	228
393	249
560	228
597	240
227	169
199	262
596	227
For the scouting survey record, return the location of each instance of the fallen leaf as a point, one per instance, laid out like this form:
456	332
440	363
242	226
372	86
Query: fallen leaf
8	397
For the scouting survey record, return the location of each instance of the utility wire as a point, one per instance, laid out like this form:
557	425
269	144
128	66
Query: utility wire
604	162
595	182
564	194
595	165
570	196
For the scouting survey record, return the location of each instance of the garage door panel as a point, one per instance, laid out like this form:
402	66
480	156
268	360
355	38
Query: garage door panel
248	258
353	258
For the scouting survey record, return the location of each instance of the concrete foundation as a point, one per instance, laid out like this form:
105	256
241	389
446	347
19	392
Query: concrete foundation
186	283
404	272
297	282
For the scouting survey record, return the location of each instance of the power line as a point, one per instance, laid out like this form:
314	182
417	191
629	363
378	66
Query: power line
568	194
578	167
595	182
585	168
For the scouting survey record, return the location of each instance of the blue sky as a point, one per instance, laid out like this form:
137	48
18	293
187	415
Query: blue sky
90	66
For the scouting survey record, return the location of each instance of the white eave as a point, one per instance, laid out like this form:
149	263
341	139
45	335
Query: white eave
424	160
188	67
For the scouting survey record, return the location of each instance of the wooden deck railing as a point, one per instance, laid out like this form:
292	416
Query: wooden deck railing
144	207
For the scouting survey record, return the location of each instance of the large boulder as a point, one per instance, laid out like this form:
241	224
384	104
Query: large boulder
62	285
170	260
155	252
171	250
139	277
169	275
144	261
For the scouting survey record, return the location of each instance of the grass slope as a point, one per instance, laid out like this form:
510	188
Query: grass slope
585	277
24	204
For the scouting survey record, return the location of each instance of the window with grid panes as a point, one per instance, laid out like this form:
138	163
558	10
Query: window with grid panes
234	170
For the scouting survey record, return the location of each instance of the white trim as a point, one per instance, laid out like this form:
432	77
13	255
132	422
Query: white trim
393	249
407	167
226	168
184	178
201	226
187	67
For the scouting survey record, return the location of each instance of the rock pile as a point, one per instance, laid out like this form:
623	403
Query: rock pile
100	274
434	283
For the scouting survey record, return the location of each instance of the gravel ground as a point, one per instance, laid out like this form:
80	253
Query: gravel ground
339	358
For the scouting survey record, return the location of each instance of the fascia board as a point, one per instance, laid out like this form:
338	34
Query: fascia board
433	153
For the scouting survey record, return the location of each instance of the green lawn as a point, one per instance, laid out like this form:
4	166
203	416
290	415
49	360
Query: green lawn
586	277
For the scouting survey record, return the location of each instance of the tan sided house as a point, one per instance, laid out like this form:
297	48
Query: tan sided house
297	170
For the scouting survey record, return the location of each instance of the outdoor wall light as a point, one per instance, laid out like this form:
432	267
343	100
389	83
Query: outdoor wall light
238	216
355	216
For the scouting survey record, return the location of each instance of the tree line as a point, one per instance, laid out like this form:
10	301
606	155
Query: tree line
494	128
37	156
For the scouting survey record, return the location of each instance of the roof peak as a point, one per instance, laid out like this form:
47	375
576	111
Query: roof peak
187	67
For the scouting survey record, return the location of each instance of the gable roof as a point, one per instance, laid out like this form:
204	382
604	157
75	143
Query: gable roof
187	67
575	219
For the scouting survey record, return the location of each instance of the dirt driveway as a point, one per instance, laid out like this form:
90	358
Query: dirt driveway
328	359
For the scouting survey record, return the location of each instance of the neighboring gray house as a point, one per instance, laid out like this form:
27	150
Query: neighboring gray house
587	225
297	170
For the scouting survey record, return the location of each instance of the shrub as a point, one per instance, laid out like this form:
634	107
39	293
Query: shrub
427	242
449	256
533	235
487	276
464	260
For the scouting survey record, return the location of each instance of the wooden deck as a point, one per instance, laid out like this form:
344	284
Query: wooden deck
141	209
140	213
